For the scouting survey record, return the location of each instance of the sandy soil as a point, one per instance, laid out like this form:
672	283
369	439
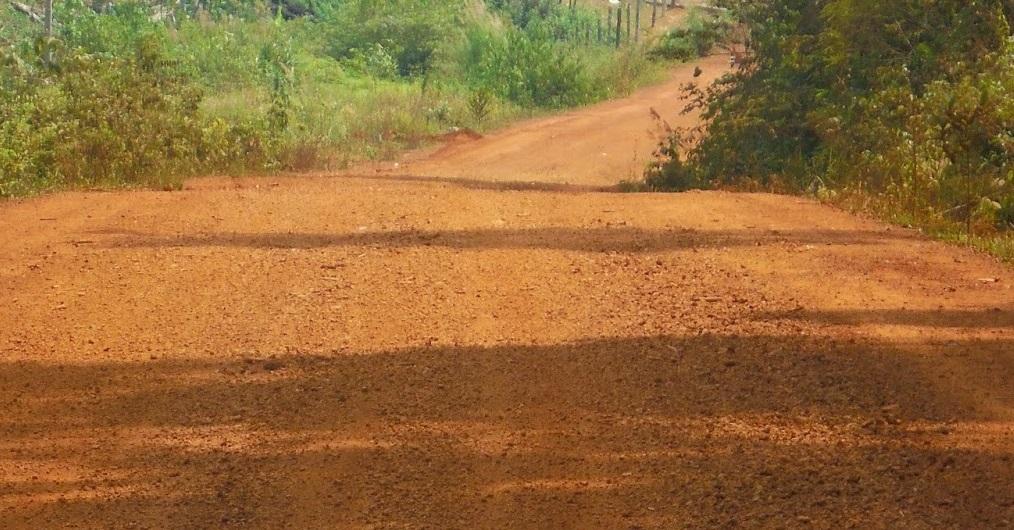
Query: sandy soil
479	339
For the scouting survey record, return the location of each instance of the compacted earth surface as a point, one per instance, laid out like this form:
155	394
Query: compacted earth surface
486	336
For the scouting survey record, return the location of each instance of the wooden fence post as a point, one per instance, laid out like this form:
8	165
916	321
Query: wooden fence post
637	22
654	12
619	26
628	20
609	25
49	31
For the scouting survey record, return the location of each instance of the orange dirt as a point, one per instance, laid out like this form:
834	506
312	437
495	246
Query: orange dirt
597	146
377	350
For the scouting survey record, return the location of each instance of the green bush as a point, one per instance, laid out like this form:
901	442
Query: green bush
1005	214
905	108
96	120
410	32
670	171
138	93
117	32
700	35
531	70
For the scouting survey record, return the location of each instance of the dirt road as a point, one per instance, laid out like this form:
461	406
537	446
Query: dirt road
384	351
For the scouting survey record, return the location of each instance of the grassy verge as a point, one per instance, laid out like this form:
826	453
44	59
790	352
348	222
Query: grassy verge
133	95
983	237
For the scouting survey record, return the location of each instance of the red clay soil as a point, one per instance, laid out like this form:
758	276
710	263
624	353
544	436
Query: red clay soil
385	351
595	147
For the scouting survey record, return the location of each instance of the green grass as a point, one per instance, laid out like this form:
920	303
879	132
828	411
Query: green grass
334	124
996	242
249	92
1000	245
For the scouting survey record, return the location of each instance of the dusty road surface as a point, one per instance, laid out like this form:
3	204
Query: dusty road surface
385	351
591	149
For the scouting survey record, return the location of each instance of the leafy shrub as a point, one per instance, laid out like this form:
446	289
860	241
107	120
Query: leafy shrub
697	38
373	61
670	171
1005	214
409	31
98	121
525	14
480	103
532	71
276	61
116	32
905	108
222	56
617	73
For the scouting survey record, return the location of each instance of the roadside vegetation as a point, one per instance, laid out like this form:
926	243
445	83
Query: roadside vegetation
139	94
903	109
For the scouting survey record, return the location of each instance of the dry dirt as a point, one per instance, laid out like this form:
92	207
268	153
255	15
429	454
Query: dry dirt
492	343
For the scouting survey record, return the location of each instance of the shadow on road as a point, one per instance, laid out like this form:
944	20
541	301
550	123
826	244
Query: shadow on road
937	318
479	184
590	239
608	433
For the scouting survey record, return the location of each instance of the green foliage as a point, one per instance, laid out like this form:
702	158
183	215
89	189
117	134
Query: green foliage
530	70
94	120
548	57
479	104
410	32
697	38
277	60
116	32
226	55
1005	214
548	18
144	93
668	171
909	102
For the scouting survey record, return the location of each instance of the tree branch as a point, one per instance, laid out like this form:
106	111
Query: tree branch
27	11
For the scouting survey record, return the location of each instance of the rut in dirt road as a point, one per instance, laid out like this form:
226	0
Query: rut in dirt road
382	350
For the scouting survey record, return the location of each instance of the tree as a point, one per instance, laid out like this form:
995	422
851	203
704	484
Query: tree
905	100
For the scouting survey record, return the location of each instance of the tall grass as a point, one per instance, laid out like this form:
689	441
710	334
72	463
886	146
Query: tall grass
122	97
